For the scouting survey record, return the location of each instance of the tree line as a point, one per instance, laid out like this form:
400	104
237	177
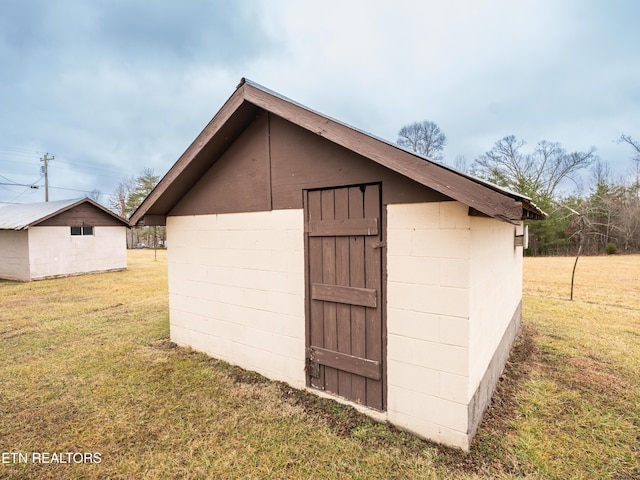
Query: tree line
604	218
129	194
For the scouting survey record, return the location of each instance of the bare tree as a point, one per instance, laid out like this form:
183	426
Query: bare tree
612	212
424	138
118	202
537	174
579	233
635	171
460	164
600	173
634	144
95	195
628	220
600	206
504	164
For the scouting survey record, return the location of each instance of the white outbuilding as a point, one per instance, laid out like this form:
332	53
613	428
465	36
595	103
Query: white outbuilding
60	238
318	255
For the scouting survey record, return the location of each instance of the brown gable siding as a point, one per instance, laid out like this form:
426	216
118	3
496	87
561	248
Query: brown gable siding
301	160
238	181
83	214
212	142
272	161
429	174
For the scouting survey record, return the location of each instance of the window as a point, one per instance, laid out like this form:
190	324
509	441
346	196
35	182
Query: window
81	230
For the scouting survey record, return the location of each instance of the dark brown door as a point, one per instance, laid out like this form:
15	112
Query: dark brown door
344	325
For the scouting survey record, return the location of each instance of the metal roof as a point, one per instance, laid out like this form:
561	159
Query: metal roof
24	215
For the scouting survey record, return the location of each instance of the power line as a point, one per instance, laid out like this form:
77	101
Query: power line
6	179
111	173
19	195
11	182
70	189
20	185
16	155
85	166
96	171
18	149
105	171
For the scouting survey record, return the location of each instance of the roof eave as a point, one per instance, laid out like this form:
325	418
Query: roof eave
75	204
497	205
216	123
504	206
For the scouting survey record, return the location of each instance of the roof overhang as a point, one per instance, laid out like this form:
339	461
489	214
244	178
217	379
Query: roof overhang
249	99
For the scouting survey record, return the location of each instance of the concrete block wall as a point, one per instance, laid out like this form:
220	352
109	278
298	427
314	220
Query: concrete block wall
236	286
428	327
454	289
236	289
495	307
495	289
14	255
54	251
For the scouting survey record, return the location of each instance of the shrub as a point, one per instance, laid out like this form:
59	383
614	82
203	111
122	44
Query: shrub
611	248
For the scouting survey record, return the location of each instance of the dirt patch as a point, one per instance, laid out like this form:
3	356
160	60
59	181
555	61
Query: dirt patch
341	419
109	307
345	421
158	351
9	334
490	450
590	376
518	367
163	344
242	376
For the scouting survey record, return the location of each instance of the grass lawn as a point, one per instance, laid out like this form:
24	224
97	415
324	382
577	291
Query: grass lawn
86	367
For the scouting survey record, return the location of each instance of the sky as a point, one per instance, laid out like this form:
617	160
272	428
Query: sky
110	88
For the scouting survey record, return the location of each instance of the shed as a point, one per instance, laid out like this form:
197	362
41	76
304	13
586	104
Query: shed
321	256
66	237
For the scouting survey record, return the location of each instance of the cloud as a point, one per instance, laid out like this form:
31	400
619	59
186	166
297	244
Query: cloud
119	83
482	70
112	86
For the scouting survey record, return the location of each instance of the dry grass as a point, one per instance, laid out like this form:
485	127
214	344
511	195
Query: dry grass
86	366
579	412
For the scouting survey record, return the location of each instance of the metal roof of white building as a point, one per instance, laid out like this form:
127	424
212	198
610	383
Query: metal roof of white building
22	216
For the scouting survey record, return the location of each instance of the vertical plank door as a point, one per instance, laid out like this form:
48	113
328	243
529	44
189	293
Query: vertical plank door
344	337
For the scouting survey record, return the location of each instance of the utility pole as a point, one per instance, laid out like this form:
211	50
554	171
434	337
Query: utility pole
45	170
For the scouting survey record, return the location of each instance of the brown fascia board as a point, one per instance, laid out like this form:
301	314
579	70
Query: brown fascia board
436	177
80	202
187	169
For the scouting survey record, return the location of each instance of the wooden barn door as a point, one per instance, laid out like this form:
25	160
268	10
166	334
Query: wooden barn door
344	324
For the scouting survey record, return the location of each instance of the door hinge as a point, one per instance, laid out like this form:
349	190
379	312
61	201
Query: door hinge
312	368
380	245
